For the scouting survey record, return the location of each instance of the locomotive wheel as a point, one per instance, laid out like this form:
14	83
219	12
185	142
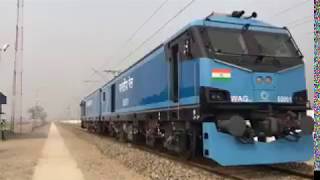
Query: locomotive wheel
98	127
82	125
191	143
150	141
111	131
91	128
121	136
138	139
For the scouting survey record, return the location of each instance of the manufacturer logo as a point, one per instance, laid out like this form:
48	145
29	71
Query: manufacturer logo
264	95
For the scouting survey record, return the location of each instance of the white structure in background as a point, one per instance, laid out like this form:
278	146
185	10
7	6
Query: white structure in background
71	121
310	113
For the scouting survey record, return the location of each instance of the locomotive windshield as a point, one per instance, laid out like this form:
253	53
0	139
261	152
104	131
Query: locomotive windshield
256	50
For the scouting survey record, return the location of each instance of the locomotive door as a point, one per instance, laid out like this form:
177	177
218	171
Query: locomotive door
113	98
181	71
174	73
174	82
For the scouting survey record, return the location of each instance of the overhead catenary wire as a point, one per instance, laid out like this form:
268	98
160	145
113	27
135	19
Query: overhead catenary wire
156	32
305	18
95	71
145	22
301	23
290	8
155	12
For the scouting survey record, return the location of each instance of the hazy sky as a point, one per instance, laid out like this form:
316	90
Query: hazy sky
65	39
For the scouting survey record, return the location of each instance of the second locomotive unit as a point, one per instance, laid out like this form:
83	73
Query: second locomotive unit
229	88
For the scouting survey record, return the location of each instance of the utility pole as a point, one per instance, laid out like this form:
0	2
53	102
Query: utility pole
68	113
17	107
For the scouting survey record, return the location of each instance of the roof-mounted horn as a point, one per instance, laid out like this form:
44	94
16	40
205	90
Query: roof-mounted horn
253	15
237	14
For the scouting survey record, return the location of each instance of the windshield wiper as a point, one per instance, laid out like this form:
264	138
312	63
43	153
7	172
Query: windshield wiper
219	52
259	60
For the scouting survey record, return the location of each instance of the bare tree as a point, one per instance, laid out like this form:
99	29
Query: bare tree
38	113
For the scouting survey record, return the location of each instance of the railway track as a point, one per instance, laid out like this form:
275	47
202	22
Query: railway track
237	173
293	172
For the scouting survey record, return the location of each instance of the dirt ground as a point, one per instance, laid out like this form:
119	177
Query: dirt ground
93	164
20	153
26	157
56	161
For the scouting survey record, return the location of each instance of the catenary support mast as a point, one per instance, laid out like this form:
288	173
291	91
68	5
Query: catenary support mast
17	90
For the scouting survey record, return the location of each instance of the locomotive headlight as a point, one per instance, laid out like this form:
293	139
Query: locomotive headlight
214	95
218	96
259	80
300	97
268	80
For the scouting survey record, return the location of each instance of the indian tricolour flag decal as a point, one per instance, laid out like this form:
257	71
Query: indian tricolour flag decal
221	74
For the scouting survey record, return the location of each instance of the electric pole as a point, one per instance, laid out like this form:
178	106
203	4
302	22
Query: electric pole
17	91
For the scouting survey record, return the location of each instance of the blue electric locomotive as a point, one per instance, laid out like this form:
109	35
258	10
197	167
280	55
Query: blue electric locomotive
228	87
